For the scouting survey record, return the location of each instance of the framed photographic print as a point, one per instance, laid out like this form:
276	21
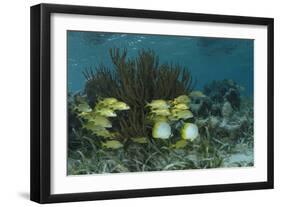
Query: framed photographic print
132	103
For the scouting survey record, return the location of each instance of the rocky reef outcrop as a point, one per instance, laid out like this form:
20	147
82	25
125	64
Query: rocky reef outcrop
225	117
219	99
224	90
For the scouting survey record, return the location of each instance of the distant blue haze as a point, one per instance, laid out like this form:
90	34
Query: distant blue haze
207	58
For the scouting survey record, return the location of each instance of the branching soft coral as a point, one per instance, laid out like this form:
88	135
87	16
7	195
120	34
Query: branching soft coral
136	81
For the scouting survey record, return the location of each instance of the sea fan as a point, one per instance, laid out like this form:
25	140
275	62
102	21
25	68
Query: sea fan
136	81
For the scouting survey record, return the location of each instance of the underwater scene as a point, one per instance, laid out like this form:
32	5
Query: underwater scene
144	102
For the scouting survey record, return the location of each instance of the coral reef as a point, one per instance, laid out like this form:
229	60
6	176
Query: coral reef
225	118
202	105
136	81
219	97
219	109
140	115
226	109
224	90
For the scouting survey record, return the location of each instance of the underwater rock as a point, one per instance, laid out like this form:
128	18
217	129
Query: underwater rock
233	96
216	109
200	105
213	122
231	126
200	122
226	110
219	91
228	127
215	95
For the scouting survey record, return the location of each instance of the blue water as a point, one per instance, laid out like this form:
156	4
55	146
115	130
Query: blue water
207	58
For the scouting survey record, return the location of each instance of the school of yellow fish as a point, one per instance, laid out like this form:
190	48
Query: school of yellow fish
162	115
97	119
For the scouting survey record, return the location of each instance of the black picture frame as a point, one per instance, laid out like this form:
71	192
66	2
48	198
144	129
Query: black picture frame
41	95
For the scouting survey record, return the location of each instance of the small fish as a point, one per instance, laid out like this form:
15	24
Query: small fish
158	118
185	114
181	106
119	106
141	140
189	131
85	115
99	106
83	107
115	134
100	121
161	112
172	118
161	130
80	99
103	133
92	127
158	104
108	101
195	94
175	111
112	144
182	99
105	112
180	144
